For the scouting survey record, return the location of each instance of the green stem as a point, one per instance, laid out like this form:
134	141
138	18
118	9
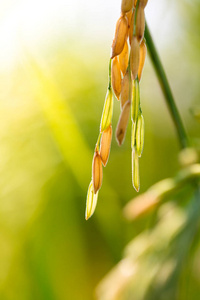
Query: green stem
109	74
166	89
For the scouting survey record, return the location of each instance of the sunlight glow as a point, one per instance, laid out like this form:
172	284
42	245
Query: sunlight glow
35	23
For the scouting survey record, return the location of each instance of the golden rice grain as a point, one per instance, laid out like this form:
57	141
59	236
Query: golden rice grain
134	57
105	145
140	23
120	37
129	15
126	5
122	123
97	172
143	53
123	58
116	77
131	27
126	82
143	3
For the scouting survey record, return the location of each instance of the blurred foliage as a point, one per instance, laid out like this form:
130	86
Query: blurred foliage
51	103
154	261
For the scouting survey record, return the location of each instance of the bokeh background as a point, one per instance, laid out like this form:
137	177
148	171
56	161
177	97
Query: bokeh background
53	77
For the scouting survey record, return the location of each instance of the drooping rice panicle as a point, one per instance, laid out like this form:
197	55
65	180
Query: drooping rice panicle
125	70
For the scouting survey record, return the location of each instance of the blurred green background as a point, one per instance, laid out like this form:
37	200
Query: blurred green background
53	83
